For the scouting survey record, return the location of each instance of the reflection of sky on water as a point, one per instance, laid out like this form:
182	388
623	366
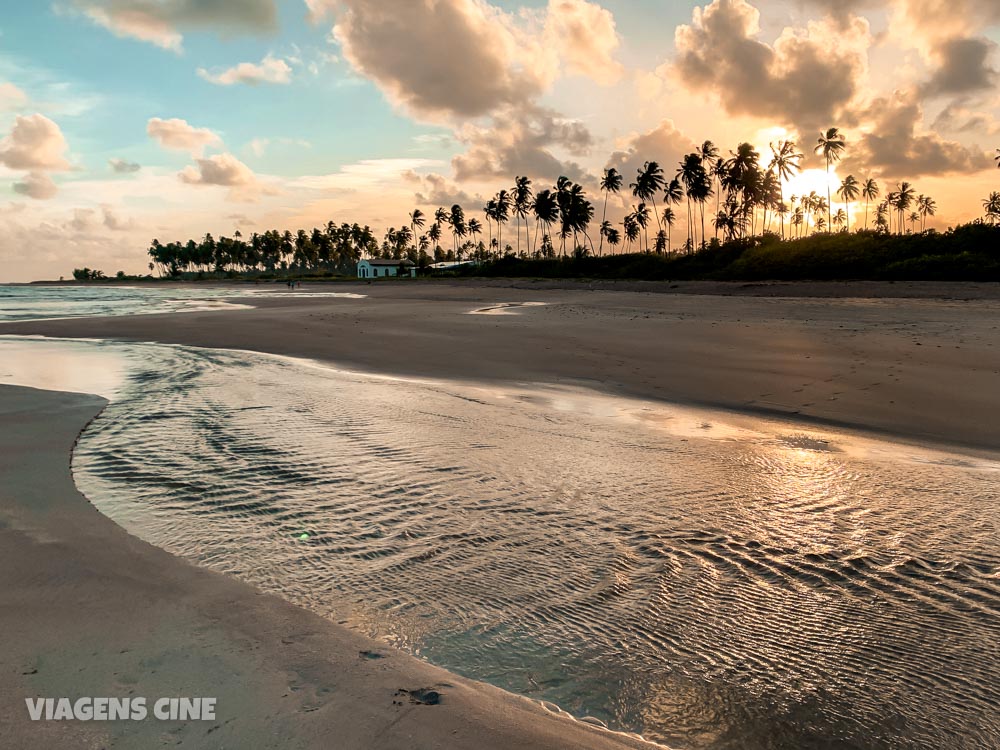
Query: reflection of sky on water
711	580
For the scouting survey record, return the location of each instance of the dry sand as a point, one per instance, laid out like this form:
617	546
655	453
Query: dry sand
87	610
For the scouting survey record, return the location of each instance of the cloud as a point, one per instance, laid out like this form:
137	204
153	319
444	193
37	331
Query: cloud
269	70
241	220
113	221
894	147
319	9
664	144
34	143
522	142
120	166
584	36
223	170
804	79
177	134
445	58
37	185
963	67
11	97
436	190
160	22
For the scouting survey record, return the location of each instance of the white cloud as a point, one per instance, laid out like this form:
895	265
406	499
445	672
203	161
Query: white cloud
177	134
224	170
34	143
269	70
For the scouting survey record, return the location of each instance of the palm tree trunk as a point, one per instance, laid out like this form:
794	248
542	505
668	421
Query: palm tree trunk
829	195
604	218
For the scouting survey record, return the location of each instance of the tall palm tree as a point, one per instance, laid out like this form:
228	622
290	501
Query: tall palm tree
475	229
417	221
832	145
641	216
546	210
648	183
903	198
849	191
869	191
521	203
785	162
693	176
458	227
926	206
631	229
611	182
503	204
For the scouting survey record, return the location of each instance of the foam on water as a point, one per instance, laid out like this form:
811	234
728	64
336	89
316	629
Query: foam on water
706	580
37	302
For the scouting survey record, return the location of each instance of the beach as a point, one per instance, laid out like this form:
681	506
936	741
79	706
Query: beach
92	610
921	367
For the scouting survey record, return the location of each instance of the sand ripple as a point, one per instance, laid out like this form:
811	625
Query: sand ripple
707	581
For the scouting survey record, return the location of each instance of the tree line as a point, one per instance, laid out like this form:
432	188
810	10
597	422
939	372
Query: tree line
724	197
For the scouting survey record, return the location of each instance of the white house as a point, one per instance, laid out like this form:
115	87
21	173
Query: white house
373	268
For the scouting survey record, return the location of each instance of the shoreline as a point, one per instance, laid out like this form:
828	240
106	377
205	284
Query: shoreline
843	289
922	370
90	610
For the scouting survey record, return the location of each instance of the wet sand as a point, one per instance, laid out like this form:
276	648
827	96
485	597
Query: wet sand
924	366
87	610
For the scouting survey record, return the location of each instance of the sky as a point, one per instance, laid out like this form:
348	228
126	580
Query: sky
125	120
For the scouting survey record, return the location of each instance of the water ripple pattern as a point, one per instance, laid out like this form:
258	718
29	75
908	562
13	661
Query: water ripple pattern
705	581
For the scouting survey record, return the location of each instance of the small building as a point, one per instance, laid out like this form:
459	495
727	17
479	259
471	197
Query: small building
373	268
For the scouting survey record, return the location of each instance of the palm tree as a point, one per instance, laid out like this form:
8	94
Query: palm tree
927	206
641	216
546	210
840	218
521	204
785	161
611	182
503	203
475	229
832	145
694	178
458	228
848	192
648	183
631	229
914	218
669	217
903	198
821	224
417	221
997	158
992	208
614	238
869	191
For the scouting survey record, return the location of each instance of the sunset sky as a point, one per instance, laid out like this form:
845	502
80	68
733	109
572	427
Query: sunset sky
124	120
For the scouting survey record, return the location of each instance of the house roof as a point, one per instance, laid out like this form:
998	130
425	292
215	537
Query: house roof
384	262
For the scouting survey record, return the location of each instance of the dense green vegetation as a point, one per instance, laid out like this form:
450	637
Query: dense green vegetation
966	253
